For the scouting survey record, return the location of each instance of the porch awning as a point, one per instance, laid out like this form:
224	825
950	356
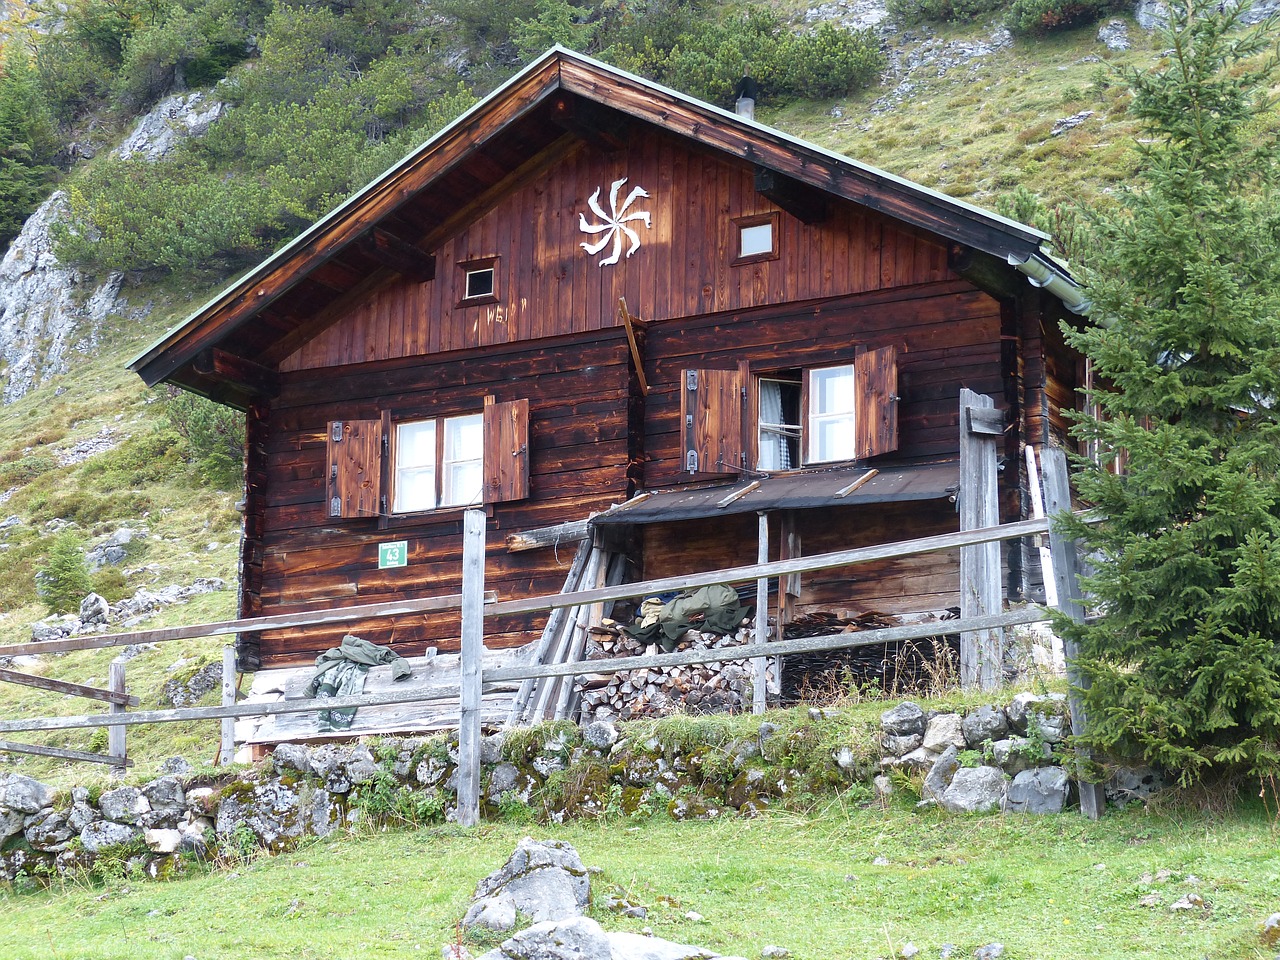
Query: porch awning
805	490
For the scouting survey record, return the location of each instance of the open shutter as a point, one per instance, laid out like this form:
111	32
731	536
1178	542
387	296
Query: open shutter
875	375
355	468
506	450
711	420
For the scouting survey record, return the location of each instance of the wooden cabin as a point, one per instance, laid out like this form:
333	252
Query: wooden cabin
590	286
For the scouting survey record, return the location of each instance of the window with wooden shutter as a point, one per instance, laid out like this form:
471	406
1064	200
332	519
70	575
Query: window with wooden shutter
506	450
712	405
876	380
355	468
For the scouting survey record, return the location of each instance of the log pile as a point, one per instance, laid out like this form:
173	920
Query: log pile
658	691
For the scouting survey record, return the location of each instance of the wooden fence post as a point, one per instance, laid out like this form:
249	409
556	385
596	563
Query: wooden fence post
473	535
1066	573
227	752
115	735
760	665
981	427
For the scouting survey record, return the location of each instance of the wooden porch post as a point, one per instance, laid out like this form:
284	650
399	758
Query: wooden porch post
1066	574
981	427
227	753
115	735
473	531
759	665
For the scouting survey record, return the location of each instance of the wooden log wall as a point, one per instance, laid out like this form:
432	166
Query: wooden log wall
948	335
921	583
579	456
547	285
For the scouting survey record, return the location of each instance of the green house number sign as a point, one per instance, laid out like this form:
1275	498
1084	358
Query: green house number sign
393	554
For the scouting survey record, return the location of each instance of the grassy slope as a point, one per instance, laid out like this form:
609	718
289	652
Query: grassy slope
1055	887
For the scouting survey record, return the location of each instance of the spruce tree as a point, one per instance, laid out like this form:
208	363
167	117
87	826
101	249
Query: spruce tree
1184	338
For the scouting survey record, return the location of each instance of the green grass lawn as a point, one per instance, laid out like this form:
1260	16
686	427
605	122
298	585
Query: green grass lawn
848	882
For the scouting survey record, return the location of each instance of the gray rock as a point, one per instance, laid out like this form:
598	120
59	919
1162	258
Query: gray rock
94	609
162	841
176	766
496	913
1114	35
1151	15
341	768
168	802
544	880
940	775
581	938
600	735
944	730
189	690
1050	727
1064	124
274	812
1039	791
292	756
904	720
44	630
900	746
921	759
983	724
503	779
124	805
1134	783
883	787
106	833
491	748
172	119
23	794
1019	709
974	790
49	830
991	951
1014	754
11	823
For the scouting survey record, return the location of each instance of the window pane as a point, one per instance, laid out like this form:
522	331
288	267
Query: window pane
832	439
463	457
415	467
480	282
779	428
755	240
831	390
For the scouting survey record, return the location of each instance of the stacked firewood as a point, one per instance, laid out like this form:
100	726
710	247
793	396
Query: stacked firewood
720	687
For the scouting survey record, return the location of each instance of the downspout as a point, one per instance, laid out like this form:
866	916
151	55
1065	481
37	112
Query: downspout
1051	278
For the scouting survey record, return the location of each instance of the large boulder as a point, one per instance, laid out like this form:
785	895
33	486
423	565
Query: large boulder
105	833
581	938
277	814
49	830
983	724
904	720
168	802
23	794
1039	791
124	805
974	790
944	730
542	880
940	775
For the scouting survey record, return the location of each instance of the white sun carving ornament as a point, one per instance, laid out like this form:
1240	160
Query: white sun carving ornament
613	226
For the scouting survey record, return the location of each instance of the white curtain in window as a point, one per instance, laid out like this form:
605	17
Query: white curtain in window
774	452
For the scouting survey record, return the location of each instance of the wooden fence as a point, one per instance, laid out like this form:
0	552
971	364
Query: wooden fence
476	604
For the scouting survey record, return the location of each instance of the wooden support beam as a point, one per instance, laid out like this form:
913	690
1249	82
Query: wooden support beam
8	746
1066	574
572	531
637	359
805	203
72	689
227	751
398	254
238	371
599	126
981	652
471	679
115	734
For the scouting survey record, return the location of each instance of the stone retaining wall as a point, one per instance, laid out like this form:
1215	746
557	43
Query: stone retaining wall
992	758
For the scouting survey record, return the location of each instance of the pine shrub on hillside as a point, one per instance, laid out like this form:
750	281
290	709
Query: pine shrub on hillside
64	580
1184	657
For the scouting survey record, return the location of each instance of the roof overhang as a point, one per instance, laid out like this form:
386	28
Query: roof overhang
561	95
802	490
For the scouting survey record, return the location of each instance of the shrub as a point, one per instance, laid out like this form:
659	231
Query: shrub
214	435
64	580
957	11
1045	16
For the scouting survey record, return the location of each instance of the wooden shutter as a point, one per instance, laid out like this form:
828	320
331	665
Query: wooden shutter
506	450
711	420
355	468
875	377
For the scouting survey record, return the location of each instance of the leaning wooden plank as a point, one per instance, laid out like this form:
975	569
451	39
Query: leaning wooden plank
577	643
554	624
547	693
8	746
72	689
567	702
365	611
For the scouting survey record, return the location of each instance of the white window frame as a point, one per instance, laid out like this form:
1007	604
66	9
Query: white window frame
439	461
840	412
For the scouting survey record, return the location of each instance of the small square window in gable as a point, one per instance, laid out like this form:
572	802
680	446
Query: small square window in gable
755	238
478	281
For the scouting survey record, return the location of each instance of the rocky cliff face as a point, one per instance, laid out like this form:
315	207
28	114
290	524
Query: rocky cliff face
51	313
48	312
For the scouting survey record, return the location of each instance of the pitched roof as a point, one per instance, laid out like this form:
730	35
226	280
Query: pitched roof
386	228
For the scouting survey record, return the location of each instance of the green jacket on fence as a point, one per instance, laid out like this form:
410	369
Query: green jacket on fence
341	672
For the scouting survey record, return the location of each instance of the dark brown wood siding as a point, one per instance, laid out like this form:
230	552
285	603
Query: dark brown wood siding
577	395
548	285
